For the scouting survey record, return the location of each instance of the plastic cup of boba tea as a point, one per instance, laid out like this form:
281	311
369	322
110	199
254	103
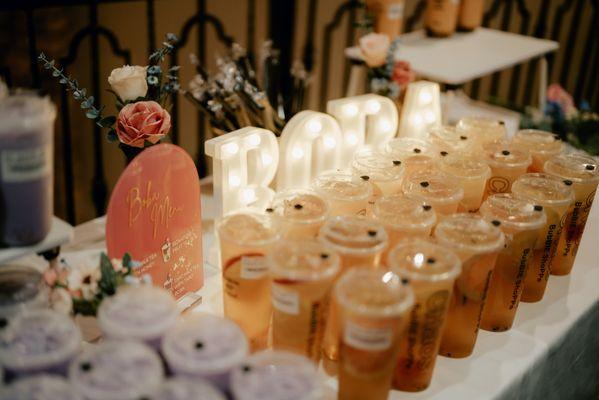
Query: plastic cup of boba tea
404	217
346	194
43	386
472	174
442	191
359	242
450	139
431	270
143	313
541	145
384	172
374	309
117	370
583	172
205	346
276	375
522	223
301	213
507	164
245	240
302	275
477	243
415	154
21	288
556	196
187	389
482	130
38	341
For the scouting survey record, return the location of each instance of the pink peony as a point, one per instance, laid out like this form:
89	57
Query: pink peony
141	121
374	48
403	74
557	94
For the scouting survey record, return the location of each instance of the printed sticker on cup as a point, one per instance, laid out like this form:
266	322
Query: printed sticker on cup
370	339
285	300
253	267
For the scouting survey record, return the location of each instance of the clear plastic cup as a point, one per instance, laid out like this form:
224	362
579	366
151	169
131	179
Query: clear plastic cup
301	213
431	270
21	288
522	223
205	346
143	313
117	370
556	196
477	243
483	130
384	172
360	242
187	389
43	387
302	274
276	375
541	145
27	168
38	341
507	164
437	189
245	240
583	172
404	217
450	139
415	154
374	308
346	194
472	174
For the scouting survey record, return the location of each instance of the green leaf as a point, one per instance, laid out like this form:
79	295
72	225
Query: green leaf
56	73
107	122
127	260
112	136
92	113
64	81
108	281
86	307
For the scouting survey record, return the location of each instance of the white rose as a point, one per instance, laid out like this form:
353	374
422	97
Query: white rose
129	82
374	48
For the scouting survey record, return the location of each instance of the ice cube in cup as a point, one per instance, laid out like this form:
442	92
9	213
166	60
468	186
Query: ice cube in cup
205	346
117	370
187	389
38	341
43	387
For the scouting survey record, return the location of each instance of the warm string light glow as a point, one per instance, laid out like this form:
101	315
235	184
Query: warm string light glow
421	109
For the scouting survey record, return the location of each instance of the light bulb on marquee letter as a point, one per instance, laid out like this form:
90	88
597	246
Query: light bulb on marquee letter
421	109
244	164
369	120
310	143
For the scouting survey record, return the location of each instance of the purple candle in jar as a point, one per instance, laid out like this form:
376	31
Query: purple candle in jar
26	168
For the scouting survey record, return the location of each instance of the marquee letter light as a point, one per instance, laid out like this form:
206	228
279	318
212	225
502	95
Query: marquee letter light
245	162
421	109
310	143
369	120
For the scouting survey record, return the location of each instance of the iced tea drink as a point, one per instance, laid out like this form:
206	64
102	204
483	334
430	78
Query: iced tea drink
507	164
482	130
556	196
384	172
346	194
472	174
302	274
415	154
360	242
374	311
404	217
583	172
477	243
245	240
442	191
300	212
431	270
521	222
450	139
541	145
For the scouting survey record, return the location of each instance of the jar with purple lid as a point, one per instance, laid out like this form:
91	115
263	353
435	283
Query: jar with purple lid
41	387
38	341
26	168
187	389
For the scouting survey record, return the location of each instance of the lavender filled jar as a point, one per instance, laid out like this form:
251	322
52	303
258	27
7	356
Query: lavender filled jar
26	168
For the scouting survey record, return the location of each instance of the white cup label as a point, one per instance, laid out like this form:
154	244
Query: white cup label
253	267
370	339
22	165
395	11
285	300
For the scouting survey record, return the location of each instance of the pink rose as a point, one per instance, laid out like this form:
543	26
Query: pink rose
557	94
402	73
141	121
374	48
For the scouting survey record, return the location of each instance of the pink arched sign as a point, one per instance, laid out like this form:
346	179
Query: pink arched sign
154	215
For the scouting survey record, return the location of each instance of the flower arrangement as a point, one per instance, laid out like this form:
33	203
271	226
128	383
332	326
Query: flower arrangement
80	289
141	96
